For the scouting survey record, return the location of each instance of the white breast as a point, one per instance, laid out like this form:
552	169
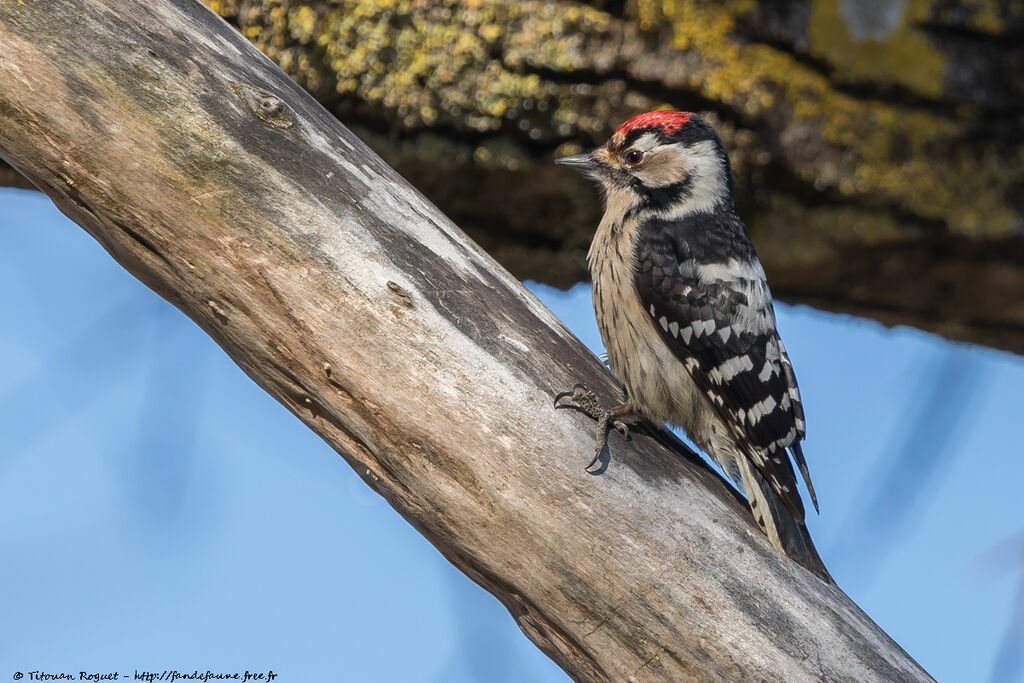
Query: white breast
657	382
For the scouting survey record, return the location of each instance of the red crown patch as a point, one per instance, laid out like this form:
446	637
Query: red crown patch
668	121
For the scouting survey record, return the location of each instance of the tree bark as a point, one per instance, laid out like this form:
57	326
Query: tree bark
226	188
878	147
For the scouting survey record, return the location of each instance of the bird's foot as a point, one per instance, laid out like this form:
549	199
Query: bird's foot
584	400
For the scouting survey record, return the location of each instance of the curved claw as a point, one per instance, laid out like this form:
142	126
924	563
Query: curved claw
578	389
583	399
602	441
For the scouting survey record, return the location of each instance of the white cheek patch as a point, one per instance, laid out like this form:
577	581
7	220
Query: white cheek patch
709	184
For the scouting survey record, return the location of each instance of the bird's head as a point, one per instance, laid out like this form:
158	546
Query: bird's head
670	161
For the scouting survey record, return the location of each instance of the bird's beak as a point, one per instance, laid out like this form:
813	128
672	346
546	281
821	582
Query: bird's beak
584	161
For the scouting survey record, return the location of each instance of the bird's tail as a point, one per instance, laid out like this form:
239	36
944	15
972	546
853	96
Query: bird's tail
789	536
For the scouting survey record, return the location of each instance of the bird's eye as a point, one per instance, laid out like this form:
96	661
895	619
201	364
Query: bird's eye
634	156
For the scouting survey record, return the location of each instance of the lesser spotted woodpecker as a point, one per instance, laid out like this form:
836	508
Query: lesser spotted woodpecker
686	315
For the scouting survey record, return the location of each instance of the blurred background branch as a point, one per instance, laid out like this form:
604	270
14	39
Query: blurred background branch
877	145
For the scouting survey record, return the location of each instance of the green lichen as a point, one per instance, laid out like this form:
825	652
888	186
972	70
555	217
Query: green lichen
904	57
502	71
892	152
434	63
225	8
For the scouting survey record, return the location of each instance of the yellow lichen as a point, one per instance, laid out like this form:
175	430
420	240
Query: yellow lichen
904	56
485	65
428	61
746	77
988	16
224	8
302	23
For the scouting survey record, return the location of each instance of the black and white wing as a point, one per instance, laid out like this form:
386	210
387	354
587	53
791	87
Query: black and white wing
706	292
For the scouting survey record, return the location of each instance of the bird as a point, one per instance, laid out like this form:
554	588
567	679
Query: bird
684	309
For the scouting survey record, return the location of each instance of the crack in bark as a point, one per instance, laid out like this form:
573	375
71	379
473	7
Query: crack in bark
656	655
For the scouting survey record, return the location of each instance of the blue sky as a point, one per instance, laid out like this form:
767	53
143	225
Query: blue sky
159	510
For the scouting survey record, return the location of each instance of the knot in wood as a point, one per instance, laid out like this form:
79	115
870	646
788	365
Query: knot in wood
266	106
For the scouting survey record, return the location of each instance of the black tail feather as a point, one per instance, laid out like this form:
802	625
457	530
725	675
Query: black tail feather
788	535
798	453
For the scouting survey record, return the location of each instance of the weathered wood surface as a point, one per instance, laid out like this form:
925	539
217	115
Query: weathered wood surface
226	188
879	147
